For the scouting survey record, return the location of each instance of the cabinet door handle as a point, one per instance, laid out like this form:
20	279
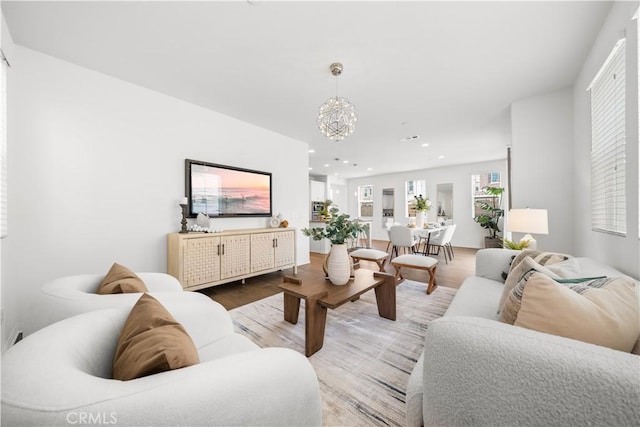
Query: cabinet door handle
223	249
218	249
276	239
273	243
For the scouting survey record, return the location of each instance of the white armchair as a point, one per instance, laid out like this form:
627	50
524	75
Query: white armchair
62	373
67	296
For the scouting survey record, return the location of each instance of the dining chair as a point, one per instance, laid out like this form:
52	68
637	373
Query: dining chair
442	241
449	244
402	236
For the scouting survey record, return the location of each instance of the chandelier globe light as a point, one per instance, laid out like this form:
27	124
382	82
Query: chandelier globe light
337	116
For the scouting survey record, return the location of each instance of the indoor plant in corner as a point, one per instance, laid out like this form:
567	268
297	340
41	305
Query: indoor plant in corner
338	229
490	218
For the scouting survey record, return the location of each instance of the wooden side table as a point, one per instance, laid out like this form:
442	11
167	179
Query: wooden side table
319	295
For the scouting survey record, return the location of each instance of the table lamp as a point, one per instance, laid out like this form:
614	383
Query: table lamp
529	221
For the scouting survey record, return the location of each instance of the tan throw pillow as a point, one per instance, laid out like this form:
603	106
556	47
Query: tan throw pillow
525	261
121	280
602	311
152	341
542	258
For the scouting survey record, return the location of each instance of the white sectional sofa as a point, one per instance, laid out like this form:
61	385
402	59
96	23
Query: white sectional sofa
478	371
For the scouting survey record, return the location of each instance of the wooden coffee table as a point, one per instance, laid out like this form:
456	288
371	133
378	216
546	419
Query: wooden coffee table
319	294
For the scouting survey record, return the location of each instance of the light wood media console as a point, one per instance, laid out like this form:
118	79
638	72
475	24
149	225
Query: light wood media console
201	260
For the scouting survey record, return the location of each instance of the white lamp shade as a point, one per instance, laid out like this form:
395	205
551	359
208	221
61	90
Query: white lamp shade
533	221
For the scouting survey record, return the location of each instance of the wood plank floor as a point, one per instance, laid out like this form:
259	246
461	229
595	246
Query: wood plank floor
236	294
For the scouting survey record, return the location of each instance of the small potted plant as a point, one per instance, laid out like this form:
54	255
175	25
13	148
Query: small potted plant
490	218
339	229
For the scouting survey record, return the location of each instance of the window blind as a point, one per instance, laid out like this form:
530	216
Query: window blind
3	147
608	162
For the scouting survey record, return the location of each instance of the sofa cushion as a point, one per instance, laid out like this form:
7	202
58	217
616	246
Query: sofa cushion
476	297
602	311
121	280
535	260
152	341
494	263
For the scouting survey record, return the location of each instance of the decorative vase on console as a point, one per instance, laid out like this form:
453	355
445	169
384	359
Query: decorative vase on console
339	229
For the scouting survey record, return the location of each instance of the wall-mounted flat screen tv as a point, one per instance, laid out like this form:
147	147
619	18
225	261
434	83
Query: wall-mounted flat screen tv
226	191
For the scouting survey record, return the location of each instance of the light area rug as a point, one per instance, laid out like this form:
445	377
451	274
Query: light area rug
366	360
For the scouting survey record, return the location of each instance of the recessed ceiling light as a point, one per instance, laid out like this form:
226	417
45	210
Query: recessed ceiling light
424	145
310	168
336	174
369	169
441	157
345	161
326	165
312	151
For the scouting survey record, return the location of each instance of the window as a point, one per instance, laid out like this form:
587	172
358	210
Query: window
365	201
414	188
478	183
608	163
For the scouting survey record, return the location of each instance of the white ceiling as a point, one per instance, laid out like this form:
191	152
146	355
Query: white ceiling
445	71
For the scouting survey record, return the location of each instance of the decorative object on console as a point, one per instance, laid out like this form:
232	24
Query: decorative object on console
274	222
198	229
528	221
338	229
337	116
490	218
203	224
203	220
183	206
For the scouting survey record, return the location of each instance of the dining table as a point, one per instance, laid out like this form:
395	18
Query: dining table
425	233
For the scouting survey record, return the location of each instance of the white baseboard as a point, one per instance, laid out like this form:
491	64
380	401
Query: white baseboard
10	340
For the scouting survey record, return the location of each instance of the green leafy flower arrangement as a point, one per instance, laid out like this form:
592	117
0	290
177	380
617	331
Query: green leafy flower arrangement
509	244
338	229
421	204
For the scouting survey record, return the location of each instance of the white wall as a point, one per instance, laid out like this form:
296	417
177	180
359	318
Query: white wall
338	193
622	252
97	167
542	164
468	233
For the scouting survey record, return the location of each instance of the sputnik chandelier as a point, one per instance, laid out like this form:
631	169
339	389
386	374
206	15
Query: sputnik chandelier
337	117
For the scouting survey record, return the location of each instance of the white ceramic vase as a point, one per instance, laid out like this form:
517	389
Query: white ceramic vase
420	218
339	265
